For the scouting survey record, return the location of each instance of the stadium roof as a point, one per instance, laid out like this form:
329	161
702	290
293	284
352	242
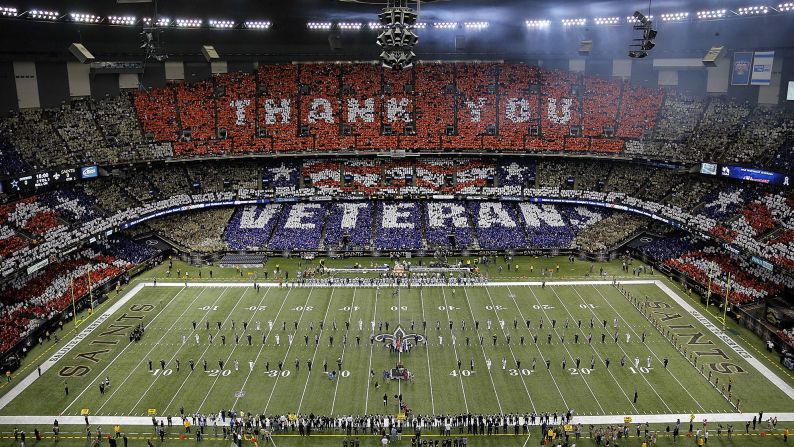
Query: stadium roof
505	34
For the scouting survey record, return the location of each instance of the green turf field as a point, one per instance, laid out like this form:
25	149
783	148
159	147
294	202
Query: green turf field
439	386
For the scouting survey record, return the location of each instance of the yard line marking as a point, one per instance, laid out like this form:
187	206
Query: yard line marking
344	347
371	345
493	304
455	349
399	353
482	348
234	348
601	359
151	384
316	348
128	346
427	352
652	352
256	360
567	351
542	358
286	355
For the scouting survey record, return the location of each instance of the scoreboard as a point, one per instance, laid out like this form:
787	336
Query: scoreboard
40	180
746	174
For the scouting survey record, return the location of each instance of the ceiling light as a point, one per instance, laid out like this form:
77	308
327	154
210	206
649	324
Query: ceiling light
121	20
607	20
188	23
475	25
85	18
752	10
7	11
574	22
258	24
39	14
537	23
350	26
715	14
221	23
162	21
445	25
319	25
675	16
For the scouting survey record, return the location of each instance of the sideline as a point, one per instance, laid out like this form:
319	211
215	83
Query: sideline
737	348
584	420
49	363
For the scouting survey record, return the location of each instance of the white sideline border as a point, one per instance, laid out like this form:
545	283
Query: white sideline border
65	349
585	420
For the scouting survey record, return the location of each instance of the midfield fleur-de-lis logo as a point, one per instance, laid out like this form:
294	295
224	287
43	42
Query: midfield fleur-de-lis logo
399	338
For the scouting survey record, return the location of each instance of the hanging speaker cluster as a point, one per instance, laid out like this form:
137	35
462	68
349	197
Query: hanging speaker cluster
398	38
646	43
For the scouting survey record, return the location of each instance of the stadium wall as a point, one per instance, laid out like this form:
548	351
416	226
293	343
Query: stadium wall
8	89
58	81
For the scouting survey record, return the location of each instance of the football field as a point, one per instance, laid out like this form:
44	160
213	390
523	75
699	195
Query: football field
497	349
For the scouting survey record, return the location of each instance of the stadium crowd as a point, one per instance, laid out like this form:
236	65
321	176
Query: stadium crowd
431	106
450	106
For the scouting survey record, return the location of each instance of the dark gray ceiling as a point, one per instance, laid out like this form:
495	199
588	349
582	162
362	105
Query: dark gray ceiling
507	37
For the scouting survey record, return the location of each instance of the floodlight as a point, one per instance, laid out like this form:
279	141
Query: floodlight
258	24
84	18
319	25
349	26
38	14
475	25
188	23
785	7
675	17
445	25
606	20
215	23
752	10
162	21
121	20
537	23
7	11
715	14
574	22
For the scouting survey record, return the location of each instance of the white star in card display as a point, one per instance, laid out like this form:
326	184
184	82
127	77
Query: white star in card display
514	170
281	171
